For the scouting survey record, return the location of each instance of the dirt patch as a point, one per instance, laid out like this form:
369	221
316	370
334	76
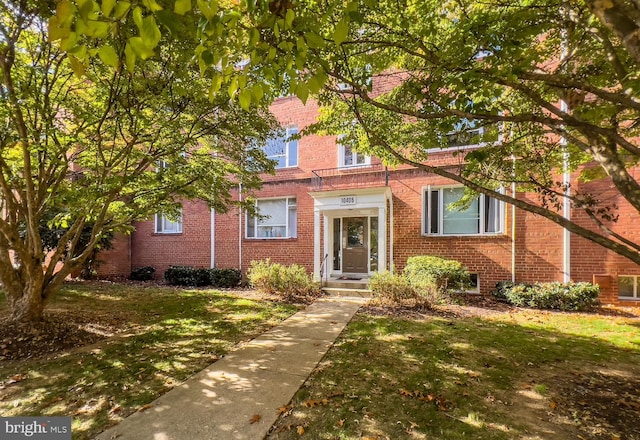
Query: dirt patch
59	330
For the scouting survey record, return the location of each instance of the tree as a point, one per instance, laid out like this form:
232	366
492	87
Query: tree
101	146
552	77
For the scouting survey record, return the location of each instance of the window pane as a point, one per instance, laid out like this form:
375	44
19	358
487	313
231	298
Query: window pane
492	215
275	210
293	148
158	222
373	244
459	222
336	244
435	207
625	287
359	158
251	226
348	156
293	221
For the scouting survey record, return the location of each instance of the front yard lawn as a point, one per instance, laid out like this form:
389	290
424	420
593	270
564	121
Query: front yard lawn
143	341
511	374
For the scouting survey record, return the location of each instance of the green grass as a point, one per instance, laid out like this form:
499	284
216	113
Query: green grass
395	378
169	335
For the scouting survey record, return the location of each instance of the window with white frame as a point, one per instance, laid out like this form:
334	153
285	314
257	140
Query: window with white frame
471	133
348	157
484	215
166	225
475	283
628	287
283	149
277	218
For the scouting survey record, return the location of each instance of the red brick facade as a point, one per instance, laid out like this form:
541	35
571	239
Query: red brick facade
534	252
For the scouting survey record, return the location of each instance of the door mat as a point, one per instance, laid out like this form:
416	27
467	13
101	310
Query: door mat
344	277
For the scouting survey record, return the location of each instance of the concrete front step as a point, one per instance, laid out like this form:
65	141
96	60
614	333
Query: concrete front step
347	285
347	292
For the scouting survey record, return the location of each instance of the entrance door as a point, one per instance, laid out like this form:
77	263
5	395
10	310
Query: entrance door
355	251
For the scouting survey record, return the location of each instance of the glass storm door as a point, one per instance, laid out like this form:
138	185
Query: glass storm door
355	252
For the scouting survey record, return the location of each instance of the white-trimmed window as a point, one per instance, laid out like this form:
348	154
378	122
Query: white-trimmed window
277	219
628	287
471	133
283	150
475	283
483	216
347	157
164	225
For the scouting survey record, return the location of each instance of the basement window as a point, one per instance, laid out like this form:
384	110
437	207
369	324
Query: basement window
628	287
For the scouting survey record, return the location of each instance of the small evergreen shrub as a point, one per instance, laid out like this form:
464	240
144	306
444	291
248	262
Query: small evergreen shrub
555	295
225	277
202	277
436	278
288	281
392	288
181	276
144	273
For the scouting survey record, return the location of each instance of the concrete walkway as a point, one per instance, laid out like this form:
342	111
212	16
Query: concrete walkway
221	401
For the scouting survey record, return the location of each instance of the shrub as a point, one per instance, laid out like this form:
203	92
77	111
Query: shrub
287	281
144	273
435	277
556	295
201	277
392	288
181	276
225	277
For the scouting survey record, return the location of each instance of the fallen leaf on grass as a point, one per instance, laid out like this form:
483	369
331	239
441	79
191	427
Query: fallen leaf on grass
300	430
16	378
255	418
145	407
553	405
283	409
341	423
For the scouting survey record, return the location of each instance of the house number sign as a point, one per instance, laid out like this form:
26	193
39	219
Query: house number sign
348	200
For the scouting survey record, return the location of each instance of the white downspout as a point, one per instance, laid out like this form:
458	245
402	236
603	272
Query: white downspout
240	211
213	238
391	233
513	234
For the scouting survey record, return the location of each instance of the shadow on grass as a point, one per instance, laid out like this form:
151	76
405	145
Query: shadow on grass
170	335
498	378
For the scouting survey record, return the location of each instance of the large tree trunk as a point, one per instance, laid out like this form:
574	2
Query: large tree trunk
26	303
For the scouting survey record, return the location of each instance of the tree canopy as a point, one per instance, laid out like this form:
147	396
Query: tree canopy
104	148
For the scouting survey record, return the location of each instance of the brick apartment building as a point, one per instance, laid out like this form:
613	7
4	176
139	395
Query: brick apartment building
338	212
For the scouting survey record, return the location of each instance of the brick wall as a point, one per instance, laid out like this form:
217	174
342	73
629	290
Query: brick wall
116	262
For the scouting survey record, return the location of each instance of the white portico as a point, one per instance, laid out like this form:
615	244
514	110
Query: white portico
351	228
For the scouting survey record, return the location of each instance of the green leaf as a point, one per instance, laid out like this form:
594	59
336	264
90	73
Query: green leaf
107	7
289	18
149	32
341	31
181	7
257	92
152	5
76	66
168	20
216	84
314	40
130	58
233	86
208	9
55	31
302	92
97	29
254	36
245	99
109	56
140	48
121	9
137	16
64	11
69	42
207	57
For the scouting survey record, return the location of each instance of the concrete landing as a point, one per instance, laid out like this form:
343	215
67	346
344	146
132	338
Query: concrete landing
223	400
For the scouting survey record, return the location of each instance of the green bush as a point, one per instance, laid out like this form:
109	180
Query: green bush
288	281
181	276
225	277
555	295
435	277
392	288
142	273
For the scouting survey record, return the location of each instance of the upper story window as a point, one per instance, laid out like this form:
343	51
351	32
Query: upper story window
347	157
278	219
283	150
483	216
471	133
165	225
